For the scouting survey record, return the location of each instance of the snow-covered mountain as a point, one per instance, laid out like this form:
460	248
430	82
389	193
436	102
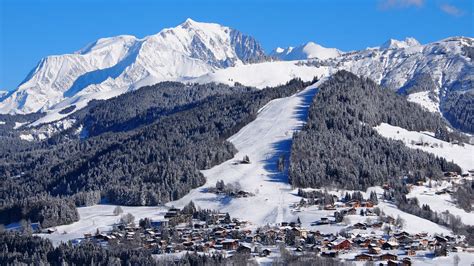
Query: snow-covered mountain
111	66
305	51
447	62
206	52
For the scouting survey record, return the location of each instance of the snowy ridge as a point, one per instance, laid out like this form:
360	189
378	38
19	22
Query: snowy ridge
306	51
263	75
396	44
446	61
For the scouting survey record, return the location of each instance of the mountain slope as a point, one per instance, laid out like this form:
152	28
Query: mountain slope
111	66
149	164
339	148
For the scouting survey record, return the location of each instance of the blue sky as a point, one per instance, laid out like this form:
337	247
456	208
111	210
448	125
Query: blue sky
30	30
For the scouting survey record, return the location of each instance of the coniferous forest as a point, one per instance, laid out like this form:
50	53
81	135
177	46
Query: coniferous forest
177	131
338	146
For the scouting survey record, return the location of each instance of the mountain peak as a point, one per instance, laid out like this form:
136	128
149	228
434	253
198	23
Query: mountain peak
114	65
305	51
396	44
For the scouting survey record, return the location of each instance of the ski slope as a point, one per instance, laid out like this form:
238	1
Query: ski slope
263	140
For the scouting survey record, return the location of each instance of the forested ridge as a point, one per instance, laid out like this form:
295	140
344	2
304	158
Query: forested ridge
458	108
144	106
338	146
150	164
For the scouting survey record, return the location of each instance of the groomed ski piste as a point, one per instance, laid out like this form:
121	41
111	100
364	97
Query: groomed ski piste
264	140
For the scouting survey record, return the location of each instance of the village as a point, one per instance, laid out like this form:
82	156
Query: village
379	238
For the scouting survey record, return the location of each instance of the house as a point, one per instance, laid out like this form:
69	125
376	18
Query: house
411	252
159	224
341	244
393	263
230	244
329	254
324	220
300	232
440	240
374	250
406	261
364	257
188	245
377	225
171	213
389	245
244	249
368	204
361	226
388	256
266	252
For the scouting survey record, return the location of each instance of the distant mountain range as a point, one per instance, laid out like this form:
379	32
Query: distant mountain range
307	51
207	52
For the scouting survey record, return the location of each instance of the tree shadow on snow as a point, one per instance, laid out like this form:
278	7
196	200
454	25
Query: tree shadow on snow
301	111
283	147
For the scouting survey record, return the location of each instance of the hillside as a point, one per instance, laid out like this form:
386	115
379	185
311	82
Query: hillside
339	148
146	165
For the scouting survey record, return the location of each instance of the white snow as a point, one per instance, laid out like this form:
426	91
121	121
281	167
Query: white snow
422	98
396	44
465	258
440	203
100	217
2	122
461	155
27	137
306	51
19	124
262	75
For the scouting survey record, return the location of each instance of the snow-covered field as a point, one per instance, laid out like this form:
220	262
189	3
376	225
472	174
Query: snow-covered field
440	203
422	98
263	75
100	217
461	155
